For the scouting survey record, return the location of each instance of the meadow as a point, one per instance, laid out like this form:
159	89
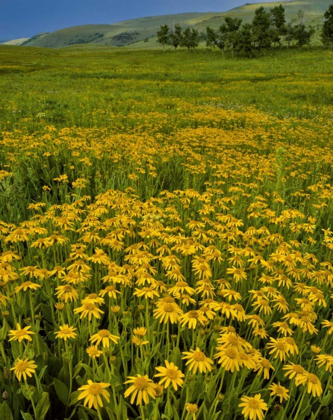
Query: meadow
166	242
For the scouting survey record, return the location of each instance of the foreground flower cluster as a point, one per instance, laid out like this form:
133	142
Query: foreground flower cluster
175	304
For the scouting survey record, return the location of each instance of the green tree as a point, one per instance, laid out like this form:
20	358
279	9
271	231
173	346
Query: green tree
233	25
175	37
262	31
289	35
302	34
222	36
245	40
327	32
163	35
212	37
190	38
278	22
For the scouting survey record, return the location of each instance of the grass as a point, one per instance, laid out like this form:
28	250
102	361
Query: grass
139	184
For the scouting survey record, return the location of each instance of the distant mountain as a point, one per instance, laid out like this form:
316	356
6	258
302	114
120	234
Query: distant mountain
135	30
16	42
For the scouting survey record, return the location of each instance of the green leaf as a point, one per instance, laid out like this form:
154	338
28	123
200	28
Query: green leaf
168	410
43	406
74	397
83	415
5	412
327	399
46	310
176	357
61	390
26	416
175	414
41	373
110	413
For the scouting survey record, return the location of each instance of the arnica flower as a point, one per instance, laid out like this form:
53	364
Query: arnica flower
253	407
264	365
295	371
147	292
313	385
111	291
27	285
24	368
168	312
170	375
142	389
66	293
66	332
192	318
92	394
325	360
192	409
93	352
229	358
279	348
279	391
89	309
196	359
20	334
328	324
105	337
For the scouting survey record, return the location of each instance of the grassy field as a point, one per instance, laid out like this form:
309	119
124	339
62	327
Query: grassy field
165	214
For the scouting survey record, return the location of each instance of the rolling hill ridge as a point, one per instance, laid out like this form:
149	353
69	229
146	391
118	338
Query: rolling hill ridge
142	31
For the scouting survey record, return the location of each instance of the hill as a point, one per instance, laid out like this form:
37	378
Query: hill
137	30
15	42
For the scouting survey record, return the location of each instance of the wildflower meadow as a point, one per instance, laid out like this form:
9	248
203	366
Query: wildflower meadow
166	235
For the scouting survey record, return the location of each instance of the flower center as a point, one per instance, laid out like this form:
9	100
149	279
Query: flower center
95	389
20	333
265	363
21	366
233	340
103	333
193	314
141	383
312	378
169	307
254	404
298	369
171	374
281	346
198	356
181	284
231	353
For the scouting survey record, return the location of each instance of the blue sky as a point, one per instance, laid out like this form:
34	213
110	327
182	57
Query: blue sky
25	18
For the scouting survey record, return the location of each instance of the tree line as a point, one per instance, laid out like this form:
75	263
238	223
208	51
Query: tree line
268	28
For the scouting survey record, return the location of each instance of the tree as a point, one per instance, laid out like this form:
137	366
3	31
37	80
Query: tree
302	34
163	35
222	37
212	37
327	33
233	25
176	36
245	39
278	22
262	32
289	35
190	38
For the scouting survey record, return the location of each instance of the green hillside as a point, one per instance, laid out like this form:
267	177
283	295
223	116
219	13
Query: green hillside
133	32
